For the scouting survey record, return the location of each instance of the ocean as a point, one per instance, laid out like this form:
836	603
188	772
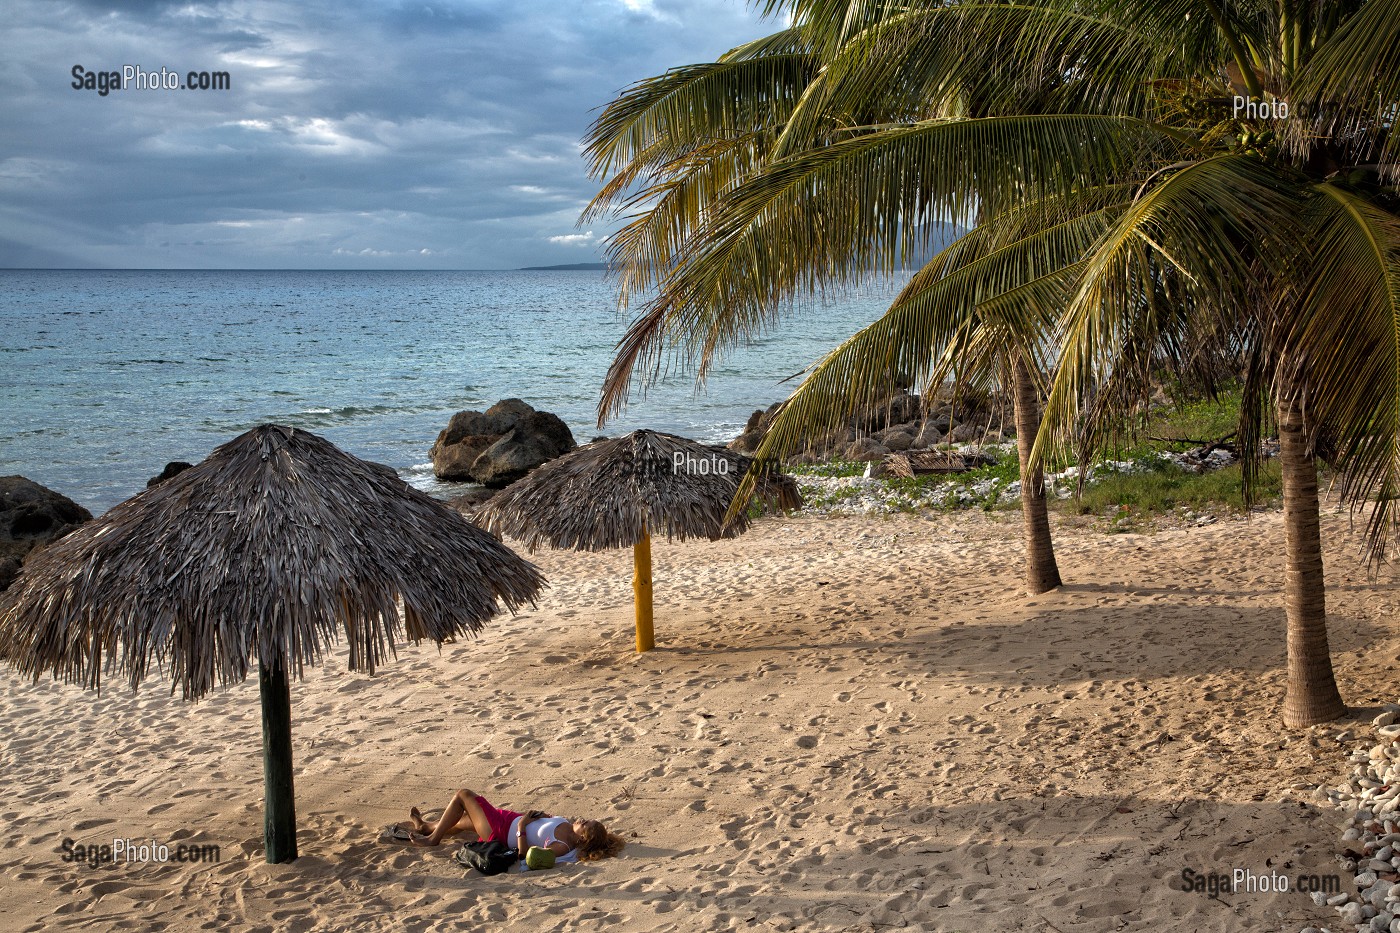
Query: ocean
105	376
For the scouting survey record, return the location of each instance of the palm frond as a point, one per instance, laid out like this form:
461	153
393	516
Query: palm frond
983	59
670	211
660	119
829	24
783	42
1170	279
979	299
832	216
1349	89
1345	339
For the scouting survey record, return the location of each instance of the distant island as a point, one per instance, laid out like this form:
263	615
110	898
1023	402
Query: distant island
569	267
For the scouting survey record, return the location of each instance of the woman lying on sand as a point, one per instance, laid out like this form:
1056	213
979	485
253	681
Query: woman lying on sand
570	840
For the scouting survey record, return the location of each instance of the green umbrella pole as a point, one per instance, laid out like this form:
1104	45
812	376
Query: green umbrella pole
280	816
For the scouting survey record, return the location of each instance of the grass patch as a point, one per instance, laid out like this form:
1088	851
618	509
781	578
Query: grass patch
824	498
1201	420
1153	487
836	468
1166	487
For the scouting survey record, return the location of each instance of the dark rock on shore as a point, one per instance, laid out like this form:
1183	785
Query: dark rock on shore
898	409
754	431
31	515
174	468
468	502
866	449
471	432
500	445
897	439
867	436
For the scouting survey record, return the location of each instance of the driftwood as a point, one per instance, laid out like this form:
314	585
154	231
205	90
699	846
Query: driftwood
1204	448
922	462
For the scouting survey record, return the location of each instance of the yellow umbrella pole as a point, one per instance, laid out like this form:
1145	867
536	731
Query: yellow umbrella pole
641	591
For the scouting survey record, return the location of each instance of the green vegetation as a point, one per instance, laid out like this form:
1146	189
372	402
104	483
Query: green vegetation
1155	487
826	498
1183	426
829	468
1203	419
1134	499
1165	486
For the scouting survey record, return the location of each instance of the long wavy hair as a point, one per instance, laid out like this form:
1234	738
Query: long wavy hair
596	842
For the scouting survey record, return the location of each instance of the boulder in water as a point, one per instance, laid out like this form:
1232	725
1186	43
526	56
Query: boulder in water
174	468
536	438
517	438
469	433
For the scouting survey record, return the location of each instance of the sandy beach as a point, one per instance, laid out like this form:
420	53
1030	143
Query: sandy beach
849	723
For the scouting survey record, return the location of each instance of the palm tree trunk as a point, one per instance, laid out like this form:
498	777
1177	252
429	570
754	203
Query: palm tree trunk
1042	573
1312	695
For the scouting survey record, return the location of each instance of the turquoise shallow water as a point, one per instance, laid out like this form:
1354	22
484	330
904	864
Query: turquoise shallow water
107	375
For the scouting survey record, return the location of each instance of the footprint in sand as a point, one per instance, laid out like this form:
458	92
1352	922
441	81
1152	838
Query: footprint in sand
85	825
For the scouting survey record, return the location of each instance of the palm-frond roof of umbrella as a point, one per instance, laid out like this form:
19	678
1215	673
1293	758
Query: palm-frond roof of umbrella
607	493
273	548
619	492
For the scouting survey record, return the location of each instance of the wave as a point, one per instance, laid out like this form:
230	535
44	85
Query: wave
322	416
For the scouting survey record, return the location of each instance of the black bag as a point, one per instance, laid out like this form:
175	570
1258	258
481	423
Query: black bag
489	858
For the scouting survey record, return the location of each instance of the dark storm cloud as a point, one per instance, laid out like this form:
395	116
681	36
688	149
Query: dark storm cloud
410	135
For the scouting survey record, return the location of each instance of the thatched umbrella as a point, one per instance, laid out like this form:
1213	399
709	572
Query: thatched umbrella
619	492
271	548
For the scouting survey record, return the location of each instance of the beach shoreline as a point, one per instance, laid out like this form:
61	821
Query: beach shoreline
850	723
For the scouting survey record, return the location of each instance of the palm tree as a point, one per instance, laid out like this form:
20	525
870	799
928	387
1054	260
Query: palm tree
1268	239
1279	236
677	145
969	311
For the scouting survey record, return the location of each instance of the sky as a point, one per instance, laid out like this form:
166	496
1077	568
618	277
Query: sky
353	135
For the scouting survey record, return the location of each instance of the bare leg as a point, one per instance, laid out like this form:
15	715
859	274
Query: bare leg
461	814
417	824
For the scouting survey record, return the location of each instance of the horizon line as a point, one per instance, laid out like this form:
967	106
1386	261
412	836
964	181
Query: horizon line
270	269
